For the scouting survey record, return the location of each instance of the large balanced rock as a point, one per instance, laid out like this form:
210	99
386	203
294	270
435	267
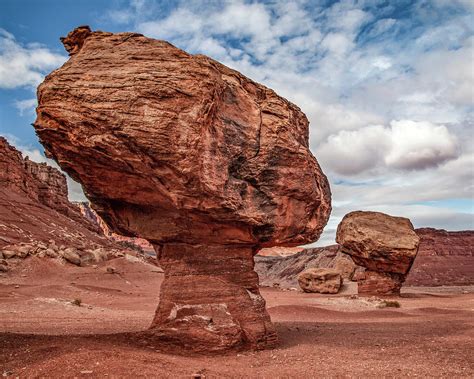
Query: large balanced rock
385	245
320	280
204	163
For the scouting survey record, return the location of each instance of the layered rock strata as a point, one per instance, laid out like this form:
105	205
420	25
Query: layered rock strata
204	163
445	258
385	245
37	181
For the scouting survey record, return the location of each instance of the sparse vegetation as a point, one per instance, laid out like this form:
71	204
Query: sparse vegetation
388	304
76	302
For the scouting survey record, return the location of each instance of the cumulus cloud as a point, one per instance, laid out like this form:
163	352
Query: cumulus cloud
387	88
405	144
24	65
419	145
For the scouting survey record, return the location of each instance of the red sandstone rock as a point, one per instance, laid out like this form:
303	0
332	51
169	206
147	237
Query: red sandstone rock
37	181
385	245
194	157
320	280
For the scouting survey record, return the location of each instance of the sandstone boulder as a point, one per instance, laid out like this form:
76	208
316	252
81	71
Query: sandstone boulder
201	161
345	265
72	256
385	245
320	280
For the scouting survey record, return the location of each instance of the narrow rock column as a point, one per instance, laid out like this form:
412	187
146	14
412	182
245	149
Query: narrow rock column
210	300
379	283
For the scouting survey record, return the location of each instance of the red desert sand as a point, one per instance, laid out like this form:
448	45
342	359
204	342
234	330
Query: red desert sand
44	335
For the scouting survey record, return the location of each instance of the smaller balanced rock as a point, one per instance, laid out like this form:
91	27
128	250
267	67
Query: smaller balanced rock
320	280
385	245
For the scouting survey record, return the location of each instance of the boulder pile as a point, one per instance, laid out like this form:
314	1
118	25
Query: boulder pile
10	254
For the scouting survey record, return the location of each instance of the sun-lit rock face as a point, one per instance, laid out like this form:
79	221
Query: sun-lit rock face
176	147
385	245
190	155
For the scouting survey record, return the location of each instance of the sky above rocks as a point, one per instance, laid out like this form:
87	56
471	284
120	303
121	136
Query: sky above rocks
387	85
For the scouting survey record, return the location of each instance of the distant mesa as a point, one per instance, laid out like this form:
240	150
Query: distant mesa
196	158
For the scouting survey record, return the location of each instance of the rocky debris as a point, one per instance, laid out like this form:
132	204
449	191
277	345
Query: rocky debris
3	265
344	265
320	280
76	256
444	258
385	245
72	256
201	161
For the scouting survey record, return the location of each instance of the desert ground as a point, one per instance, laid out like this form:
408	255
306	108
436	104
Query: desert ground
42	334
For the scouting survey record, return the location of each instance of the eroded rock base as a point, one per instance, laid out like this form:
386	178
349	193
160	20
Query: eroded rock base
209	299
379	283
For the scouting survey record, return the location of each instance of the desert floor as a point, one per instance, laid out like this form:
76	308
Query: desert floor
43	335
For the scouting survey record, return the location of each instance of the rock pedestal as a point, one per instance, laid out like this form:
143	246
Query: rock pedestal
197	159
210	298
385	245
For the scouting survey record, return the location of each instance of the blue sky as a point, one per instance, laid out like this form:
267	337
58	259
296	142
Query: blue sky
387	85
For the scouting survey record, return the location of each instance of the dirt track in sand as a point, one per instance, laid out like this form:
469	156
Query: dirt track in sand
43	335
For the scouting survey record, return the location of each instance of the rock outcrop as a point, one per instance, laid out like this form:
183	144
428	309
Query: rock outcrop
385	245
36	218
320	280
444	258
38	181
204	163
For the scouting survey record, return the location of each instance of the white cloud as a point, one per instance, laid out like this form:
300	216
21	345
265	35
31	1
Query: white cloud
25	106
419	145
24	65
405	144
389	98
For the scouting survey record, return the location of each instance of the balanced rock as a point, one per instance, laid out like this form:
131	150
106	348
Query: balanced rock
385	245
201	161
320	280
